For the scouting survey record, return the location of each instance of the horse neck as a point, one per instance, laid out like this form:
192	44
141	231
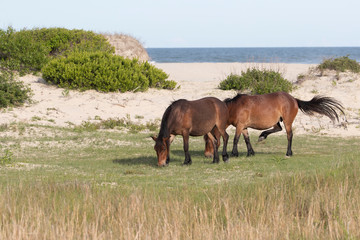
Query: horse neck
164	129
231	109
164	132
230	106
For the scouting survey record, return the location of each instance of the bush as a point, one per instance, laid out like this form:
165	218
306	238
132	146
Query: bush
340	64
104	72
257	82
28	51
12	92
21	52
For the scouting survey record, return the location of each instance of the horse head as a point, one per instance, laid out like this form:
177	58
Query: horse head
162	150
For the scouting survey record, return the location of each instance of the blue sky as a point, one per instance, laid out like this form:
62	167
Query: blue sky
198	23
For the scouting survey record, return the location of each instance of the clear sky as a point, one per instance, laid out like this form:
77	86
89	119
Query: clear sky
198	23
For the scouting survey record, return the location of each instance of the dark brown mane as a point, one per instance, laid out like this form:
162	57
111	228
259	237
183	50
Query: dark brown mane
229	100
164	131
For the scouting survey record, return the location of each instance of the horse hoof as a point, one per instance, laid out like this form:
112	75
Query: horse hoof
226	158
234	154
261	138
187	163
164	165
250	154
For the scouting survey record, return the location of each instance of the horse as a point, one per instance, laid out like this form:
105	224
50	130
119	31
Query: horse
192	118
266	111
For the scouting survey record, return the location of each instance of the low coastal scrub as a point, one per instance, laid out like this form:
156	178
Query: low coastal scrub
340	64
27	51
12	92
257	82
339	68
104	72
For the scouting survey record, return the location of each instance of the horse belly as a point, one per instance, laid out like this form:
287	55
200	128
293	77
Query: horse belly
263	121
201	129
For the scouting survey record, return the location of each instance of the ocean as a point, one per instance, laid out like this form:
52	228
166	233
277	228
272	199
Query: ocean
308	55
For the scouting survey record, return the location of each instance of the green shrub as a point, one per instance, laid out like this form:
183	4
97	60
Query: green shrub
21	52
12	92
104	72
61	41
257	82
340	64
27	51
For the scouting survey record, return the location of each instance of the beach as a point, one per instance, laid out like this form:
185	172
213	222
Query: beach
55	106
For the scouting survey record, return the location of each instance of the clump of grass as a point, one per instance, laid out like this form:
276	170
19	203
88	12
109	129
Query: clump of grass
7	158
120	123
257	81
340	64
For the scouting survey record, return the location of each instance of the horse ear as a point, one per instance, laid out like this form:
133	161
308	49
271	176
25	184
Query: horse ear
154	137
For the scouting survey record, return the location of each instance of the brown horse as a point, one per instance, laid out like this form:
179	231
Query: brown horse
265	111
192	118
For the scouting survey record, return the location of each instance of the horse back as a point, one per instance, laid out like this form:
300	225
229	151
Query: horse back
262	111
198	116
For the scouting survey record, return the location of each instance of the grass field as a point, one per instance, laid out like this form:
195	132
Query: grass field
65	183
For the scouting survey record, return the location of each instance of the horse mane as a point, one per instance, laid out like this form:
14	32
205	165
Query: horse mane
164	130
230	100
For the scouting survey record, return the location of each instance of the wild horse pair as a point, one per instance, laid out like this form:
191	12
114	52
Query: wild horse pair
210	117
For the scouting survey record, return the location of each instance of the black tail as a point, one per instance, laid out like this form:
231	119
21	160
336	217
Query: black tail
323	105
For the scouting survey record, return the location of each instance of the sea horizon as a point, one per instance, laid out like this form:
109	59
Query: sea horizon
306	55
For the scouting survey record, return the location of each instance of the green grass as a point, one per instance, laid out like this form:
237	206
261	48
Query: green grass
105	184
98	156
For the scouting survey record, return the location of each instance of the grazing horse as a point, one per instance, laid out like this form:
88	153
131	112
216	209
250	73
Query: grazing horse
192	118
268	110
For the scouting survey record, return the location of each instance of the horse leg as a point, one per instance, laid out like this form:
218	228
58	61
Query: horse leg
250	150
214	144
289	137
208	147
225	137
238	131
264	134
168	142
186	149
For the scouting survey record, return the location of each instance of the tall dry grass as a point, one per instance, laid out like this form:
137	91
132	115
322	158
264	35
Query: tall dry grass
321	206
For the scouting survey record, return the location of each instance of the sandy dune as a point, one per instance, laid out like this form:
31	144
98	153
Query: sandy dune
56	106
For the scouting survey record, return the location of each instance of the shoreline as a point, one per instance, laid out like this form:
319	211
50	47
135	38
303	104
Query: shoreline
54	106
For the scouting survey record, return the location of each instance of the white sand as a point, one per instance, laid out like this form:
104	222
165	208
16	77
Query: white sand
55	106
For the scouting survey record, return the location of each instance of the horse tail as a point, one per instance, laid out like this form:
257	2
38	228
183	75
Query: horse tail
323	105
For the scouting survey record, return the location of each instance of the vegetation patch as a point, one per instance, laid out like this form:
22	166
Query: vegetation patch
27	51
118	123
342	68
6	158
257	82
104	72
12	92
340	64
